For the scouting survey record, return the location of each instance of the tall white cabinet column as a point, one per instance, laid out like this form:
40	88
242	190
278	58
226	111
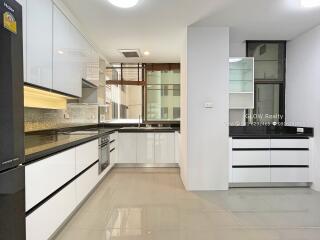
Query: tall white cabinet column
302	91
205	109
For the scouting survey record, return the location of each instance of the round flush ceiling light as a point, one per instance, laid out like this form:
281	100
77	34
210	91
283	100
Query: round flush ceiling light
310	3
146	53
124	3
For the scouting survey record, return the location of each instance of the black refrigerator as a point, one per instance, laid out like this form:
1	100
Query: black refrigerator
12	180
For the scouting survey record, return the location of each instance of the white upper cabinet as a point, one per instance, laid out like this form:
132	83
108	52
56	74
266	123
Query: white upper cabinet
39	43
92	67
69	55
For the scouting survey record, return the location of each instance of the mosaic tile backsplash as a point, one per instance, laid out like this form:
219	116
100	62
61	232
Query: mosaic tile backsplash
75	115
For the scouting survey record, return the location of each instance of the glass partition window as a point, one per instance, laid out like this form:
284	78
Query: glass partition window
149	91
163	95
269	60
269	77
124	103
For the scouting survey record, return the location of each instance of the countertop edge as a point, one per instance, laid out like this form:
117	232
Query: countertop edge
38	156
271	136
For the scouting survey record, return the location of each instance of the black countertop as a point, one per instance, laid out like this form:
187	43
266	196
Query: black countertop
42	144
269	132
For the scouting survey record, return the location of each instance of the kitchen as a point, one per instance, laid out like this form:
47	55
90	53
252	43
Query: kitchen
106	137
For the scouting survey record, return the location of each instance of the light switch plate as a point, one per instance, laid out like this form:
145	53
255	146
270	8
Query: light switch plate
208	105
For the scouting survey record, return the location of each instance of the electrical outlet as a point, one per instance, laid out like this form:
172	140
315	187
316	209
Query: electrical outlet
66	116
300	130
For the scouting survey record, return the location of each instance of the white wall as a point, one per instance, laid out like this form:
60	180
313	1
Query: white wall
184	115
238	49
303	89
205	131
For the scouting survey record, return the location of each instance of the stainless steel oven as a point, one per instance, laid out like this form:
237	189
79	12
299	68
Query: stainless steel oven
104	152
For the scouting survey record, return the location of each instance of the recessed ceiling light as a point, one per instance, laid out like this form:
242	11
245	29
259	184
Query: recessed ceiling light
310	3
146	53
60	52
124	3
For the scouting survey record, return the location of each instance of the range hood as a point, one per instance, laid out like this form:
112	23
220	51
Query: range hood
87	84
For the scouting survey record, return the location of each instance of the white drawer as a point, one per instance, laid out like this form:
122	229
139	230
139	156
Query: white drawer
250	158
289	143
289	157
295	175
86	182
250	175
45	176
251	143
44	221
86	154
114	136
113	144
113	156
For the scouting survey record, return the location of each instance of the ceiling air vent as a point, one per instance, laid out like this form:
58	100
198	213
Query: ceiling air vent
130	53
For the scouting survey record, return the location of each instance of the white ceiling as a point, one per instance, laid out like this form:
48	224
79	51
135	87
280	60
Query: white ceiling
158	26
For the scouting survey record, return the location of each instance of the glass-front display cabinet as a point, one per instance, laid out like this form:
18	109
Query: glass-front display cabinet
241	83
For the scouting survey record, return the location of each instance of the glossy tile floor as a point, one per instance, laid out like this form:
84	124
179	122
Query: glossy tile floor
152	204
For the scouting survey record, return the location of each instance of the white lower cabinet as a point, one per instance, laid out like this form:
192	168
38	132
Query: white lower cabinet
287	175
250	158
177	147
164	148
251	143
86	154
113	155
279	161
43	222
289	157
251	175
86	182
48	175
114	148
45	176
289	143
145	147
127	148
